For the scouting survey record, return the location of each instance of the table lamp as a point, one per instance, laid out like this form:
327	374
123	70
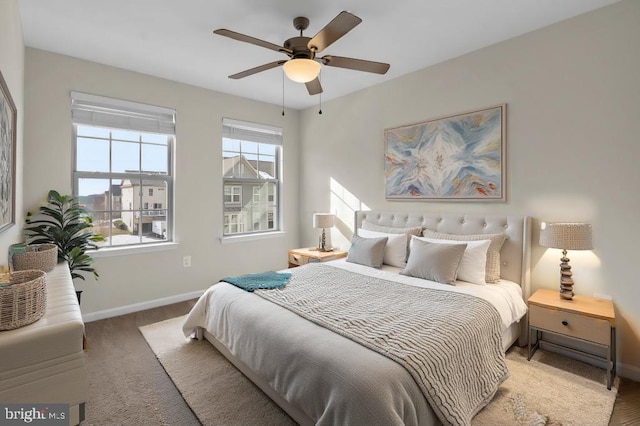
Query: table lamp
324	221
566	236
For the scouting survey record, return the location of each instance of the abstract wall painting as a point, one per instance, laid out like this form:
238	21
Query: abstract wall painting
455	158
7	157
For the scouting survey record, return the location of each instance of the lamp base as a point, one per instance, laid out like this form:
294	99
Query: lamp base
566	294
321	249
322	243
566	282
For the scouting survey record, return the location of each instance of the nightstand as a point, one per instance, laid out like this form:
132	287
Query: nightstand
584	319
302	256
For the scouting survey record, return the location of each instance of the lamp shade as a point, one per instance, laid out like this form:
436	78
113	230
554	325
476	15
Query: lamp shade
323	220
301	70
566	236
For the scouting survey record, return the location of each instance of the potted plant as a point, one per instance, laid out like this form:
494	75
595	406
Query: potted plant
67	224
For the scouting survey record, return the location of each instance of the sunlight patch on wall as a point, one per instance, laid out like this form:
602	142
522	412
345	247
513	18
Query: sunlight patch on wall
343	204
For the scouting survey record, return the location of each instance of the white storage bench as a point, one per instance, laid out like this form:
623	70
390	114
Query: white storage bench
44	362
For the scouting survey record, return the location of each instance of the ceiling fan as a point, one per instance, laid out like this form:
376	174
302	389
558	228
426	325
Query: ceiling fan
303	66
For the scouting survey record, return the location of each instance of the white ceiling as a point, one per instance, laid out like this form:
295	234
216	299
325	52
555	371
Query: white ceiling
173	39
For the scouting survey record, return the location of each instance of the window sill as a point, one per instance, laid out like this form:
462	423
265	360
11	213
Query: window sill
251	237
127	250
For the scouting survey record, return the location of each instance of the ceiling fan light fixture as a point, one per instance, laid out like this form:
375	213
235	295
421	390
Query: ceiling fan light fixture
301	70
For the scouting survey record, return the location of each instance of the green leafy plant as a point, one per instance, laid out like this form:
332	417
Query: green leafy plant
65	223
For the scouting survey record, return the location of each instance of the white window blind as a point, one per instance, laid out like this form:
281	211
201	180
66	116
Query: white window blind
115	113
261	133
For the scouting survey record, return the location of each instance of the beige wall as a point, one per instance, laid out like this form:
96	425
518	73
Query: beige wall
573	105
134	279
12	68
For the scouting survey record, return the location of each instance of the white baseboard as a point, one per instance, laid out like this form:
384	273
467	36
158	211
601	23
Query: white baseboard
628	371
123	310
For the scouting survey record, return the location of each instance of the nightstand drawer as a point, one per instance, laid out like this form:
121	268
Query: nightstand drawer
579	326
298	259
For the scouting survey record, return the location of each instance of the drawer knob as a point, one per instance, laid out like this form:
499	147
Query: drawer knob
565	323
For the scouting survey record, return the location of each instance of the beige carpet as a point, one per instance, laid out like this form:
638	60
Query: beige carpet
550	389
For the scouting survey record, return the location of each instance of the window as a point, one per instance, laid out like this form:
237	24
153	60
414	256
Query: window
257	220
251	164
232	194
232	224
270	194
123	165
256	195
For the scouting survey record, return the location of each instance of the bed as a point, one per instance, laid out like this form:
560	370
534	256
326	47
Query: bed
321	374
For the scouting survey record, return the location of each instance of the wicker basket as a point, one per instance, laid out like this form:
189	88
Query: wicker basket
23	298
42	257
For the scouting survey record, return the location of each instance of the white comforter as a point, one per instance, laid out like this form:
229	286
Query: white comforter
319	371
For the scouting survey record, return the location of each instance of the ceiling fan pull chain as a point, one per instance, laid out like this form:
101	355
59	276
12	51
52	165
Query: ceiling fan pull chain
283	93
320	110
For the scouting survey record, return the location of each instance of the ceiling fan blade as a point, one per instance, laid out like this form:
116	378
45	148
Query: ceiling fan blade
341	24
355	64
252	40
256	70
314	87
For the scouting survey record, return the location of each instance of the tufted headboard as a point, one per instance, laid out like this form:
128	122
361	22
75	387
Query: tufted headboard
515	251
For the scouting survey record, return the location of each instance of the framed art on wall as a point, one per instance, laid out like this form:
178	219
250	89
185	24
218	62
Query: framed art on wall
455	158
7	157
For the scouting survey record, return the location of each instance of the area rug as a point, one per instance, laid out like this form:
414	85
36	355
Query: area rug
548	390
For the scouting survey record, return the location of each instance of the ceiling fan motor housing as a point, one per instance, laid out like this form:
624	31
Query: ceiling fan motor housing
298	45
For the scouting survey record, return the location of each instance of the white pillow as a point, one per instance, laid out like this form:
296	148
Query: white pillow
493	254
395	252
474	261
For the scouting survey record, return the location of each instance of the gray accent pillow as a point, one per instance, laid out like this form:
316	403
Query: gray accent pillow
433	261
415	230
493	253
367	251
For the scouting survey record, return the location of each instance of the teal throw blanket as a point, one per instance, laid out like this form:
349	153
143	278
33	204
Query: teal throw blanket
263	280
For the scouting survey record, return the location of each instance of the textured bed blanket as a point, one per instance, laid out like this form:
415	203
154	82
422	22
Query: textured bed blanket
263	280
449	342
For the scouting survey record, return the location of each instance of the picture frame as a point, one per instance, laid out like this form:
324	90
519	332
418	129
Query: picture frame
8	120
460	157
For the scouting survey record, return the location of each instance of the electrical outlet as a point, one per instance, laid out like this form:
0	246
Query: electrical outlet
186	262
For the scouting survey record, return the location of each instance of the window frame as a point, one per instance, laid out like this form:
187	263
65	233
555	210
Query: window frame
261	135
165	180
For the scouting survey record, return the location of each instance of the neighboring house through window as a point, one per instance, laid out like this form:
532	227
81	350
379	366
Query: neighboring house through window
123	164
251	164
